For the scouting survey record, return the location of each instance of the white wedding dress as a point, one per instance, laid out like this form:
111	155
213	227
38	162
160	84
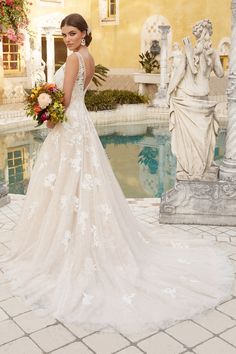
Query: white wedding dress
80	255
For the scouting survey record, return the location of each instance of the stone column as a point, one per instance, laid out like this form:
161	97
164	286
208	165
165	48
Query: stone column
160	97
27	55
50	53
228	168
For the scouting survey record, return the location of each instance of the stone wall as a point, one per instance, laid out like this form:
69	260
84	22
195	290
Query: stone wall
126	82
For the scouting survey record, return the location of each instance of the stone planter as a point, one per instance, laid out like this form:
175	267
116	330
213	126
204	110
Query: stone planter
144	79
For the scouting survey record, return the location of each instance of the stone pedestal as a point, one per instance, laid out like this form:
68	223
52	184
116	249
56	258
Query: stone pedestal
205	203
4	197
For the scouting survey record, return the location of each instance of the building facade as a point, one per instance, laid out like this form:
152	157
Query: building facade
121	31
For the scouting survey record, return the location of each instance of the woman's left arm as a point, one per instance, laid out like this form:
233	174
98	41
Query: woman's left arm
71	73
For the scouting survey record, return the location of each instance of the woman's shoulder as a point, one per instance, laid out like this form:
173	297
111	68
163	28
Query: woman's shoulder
73	57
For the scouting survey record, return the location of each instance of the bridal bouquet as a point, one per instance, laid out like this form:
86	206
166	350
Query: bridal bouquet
45	103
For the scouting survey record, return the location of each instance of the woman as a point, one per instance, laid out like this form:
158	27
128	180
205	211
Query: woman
79	252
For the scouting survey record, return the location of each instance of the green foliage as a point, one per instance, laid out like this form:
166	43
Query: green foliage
99	100
117	139
149	62
148	157
109	99
100	74
128	97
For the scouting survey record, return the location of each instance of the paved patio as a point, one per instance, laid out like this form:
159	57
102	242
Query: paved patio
22	332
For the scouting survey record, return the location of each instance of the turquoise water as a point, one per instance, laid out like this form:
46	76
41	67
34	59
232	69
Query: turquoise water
140	156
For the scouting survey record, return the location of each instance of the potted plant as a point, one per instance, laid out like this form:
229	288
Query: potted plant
151	68
149	62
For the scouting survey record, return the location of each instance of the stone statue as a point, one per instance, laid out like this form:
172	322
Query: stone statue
176	56
155	48
193	124
37	68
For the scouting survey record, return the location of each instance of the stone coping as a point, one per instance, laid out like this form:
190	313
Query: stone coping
13	117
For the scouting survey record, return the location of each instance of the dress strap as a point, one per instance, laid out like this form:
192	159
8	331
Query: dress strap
82	64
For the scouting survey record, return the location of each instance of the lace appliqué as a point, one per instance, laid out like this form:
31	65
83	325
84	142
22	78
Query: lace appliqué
183	261
95	236
81	220
170	291
63	202
87	299
105	210
76	204
89	266
75	139
189	280
66	239
44	162
50	180
62	160
76	162
55	138
94	158
178	244
89	183
32	209
128	299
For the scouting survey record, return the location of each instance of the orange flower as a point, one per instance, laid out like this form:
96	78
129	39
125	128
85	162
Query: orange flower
37	109
50	86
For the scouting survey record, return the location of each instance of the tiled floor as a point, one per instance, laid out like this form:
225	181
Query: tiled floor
24	332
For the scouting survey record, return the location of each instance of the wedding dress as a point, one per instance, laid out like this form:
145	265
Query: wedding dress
80	255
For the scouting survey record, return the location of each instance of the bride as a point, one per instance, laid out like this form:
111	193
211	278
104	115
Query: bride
78	252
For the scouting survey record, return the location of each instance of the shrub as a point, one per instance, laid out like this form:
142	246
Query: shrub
99	100
109	99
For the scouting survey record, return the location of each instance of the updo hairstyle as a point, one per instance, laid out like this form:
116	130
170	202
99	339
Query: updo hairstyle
79	22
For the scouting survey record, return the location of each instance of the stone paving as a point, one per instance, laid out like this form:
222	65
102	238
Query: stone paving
23	332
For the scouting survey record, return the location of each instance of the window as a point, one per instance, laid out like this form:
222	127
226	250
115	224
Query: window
11	56
109	12
16	169
111	8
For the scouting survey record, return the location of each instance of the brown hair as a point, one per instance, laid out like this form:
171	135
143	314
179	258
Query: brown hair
79	22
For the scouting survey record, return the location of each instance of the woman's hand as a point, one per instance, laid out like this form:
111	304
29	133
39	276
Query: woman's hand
49	124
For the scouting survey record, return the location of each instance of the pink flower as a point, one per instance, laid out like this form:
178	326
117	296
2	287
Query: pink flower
11	34
9	2
20	38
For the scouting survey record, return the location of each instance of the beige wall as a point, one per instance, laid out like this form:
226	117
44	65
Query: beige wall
118	46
